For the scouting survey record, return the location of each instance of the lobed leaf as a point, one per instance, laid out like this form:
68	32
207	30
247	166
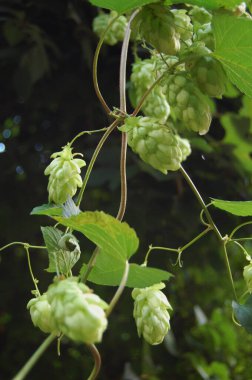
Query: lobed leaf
243	313
234	49
49	209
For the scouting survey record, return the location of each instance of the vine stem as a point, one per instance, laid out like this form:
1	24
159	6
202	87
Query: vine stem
123	109
94	157
34	358
119	291
202	203
30	269
97	361
238	227
23	244
95	64
224	240
86	132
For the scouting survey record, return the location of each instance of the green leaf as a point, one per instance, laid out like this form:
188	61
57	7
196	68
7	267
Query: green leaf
47	209
116	240
209	4
234	49
139	277
63	250
243	313
234	207
121	6
236	134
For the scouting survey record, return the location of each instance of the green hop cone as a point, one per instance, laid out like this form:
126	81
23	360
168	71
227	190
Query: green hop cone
150	313
41	314
204	34
210	77
200	15
184	146
247	274
183	25
116	31
144	74
64	175
78	313
154	142
155	24
188	104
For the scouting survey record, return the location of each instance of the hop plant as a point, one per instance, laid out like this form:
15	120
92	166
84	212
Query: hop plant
64	175
150	313
209	76
188	104
78	313
155	24
142	77
154	142
41	314
183	25
247	274
116	31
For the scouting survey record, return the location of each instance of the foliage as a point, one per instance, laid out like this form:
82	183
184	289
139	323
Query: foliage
48	61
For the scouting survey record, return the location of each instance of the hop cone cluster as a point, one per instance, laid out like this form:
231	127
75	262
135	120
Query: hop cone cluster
188	103
143	76
184	146
155	24
64	175
154	142
204	34
116	31
209	76
77	312
41	314
247	274
150	313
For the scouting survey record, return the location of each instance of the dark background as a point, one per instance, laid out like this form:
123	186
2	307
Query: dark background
46	98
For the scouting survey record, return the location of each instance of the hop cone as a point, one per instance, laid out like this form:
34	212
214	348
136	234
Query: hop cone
209	76
41	314
184	146
77	312
150	313
64	175
182	23
154	142
204	34
188	104
116	31
143	76
247	274
200	15
155	24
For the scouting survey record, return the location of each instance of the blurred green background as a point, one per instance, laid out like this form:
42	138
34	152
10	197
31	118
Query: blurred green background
47	97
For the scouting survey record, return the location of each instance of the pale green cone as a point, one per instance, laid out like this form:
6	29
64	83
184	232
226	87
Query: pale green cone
210	77
144	74
117	30
150	313
182	24
188	104
78	313
184	146
155	25
41	314
247	274
64	175
204	34
154	142
200	15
